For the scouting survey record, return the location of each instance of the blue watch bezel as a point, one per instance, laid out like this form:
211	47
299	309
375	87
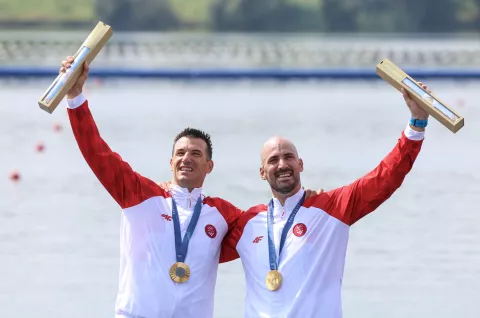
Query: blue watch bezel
419	122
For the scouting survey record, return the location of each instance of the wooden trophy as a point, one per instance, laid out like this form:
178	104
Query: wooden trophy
64	81
427	101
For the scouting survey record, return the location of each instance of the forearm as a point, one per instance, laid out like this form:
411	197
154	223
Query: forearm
378	185
354	201
108	166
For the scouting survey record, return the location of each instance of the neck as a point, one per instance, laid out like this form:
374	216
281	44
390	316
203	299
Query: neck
282	197
187	186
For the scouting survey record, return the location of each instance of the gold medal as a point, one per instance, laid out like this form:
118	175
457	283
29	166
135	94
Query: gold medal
274	280
179	272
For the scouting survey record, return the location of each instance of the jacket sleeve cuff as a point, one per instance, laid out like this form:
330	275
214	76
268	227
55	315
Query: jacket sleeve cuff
76	101
413	134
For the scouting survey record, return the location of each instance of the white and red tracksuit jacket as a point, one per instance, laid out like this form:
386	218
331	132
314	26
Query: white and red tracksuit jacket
313	258
147	244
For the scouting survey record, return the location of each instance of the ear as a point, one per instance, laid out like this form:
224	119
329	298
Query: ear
300	161
263	174
210	165
171	164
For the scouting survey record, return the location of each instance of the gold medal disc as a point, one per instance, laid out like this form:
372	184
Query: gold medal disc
179	272
274	280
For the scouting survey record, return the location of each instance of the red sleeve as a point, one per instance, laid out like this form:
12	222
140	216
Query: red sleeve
352	202
127	187
229	244
231	214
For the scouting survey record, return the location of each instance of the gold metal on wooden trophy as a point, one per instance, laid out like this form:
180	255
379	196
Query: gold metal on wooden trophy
448	117
64	81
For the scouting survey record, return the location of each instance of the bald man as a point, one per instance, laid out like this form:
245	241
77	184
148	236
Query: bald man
293	249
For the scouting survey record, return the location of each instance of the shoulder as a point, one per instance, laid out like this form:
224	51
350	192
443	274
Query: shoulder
250	214
254	210
229	211
221	204
317	200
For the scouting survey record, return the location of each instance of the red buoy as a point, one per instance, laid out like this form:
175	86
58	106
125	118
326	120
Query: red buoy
57	127
97	82
15	176
40	147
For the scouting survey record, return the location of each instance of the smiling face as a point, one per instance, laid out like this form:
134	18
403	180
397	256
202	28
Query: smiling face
190	162
281	166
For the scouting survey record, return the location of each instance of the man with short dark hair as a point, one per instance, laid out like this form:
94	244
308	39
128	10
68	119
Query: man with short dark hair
170	240
195	133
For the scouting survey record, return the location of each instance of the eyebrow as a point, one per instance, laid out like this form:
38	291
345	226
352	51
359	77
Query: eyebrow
288	154
194	150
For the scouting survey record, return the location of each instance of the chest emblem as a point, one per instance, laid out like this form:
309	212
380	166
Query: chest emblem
167	217
299	230
211	231
257	239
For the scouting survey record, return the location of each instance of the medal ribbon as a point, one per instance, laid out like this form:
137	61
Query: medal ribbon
271	243
181	247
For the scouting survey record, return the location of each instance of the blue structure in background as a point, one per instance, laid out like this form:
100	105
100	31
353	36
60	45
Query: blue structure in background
238	74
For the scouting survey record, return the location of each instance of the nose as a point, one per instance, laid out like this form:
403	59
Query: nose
282	164
187	158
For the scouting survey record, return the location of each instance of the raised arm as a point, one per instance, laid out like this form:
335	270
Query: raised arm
352	202
127	187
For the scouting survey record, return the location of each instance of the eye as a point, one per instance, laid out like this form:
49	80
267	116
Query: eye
180	152
272	160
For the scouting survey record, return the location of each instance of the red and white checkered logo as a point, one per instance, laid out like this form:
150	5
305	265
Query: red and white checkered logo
210	230
299	230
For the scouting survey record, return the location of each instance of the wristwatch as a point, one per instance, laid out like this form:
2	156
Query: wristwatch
419	122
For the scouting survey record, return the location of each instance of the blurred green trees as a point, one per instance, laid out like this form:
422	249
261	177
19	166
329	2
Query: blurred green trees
254	15
296	15
137	14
